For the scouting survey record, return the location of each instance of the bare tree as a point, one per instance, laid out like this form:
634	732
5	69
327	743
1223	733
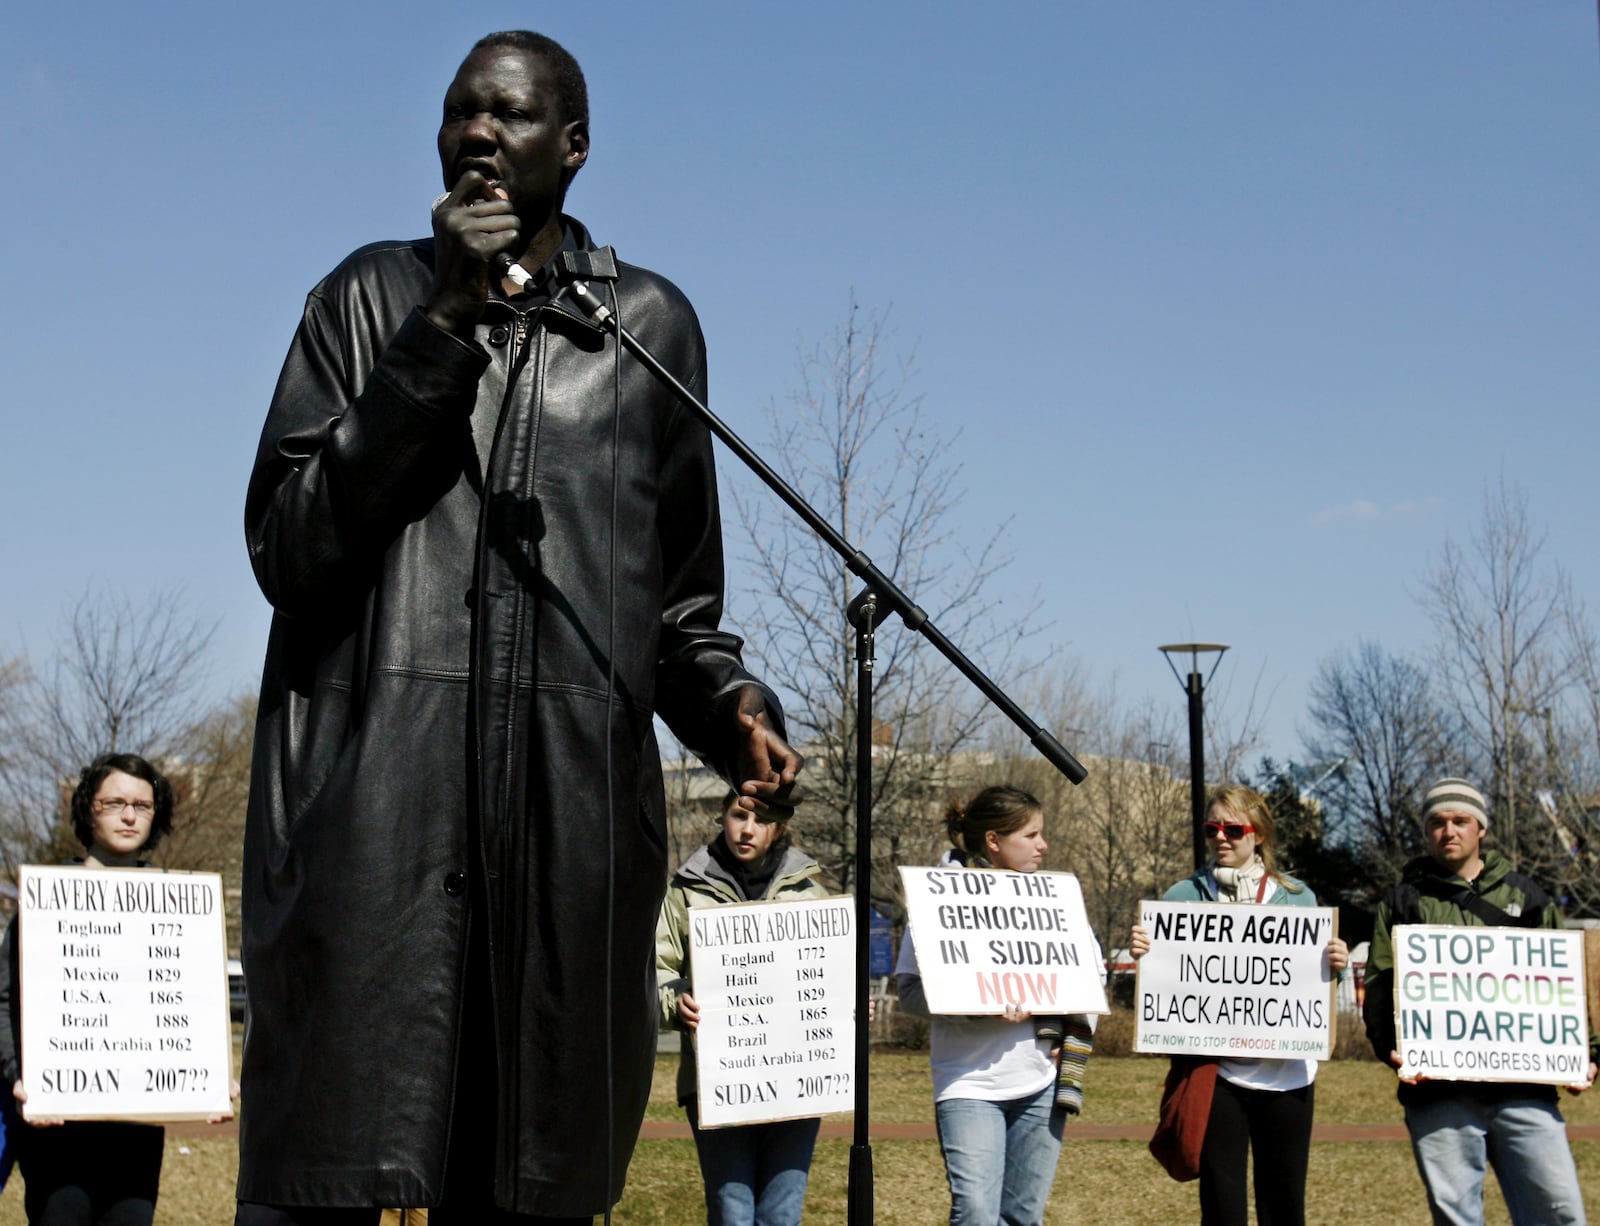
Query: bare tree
209	768
1232	734
1333	869
1556	752
125	677
1124	832
14	675
694	796
1585	649
1497	606
1379	715
854	442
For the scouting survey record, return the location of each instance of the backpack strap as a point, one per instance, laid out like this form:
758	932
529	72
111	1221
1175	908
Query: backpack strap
1405	904
1409	897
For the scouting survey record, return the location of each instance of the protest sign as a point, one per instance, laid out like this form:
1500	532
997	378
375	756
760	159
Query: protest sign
124	994
988	939
775	983
1490	1004
1224	980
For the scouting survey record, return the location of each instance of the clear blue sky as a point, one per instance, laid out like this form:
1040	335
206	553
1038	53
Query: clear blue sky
1236	306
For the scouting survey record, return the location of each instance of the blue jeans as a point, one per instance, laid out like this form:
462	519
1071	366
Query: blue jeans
755	1174
1524	1139
1000	1157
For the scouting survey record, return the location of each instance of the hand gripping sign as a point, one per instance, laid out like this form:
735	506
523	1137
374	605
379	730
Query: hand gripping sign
124	994
986	940
1490	1004
1229	980
775	982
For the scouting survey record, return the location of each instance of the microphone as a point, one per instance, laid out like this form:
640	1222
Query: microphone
508	268
514	272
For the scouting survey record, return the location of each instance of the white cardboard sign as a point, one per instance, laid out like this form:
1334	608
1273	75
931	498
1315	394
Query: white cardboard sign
123	976
775	982
987	939
1228	980
1490	1004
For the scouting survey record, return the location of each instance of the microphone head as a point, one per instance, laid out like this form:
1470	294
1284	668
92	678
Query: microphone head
503	264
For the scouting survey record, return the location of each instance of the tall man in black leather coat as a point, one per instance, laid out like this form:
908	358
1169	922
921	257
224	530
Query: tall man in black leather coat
493	548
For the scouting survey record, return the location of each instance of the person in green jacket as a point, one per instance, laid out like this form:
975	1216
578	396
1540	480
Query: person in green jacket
1263	1105
755	1174
1457	1127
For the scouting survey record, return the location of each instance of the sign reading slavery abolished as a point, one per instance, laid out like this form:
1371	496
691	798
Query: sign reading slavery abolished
1228	980
124	994
775	983
1490	1004
986	940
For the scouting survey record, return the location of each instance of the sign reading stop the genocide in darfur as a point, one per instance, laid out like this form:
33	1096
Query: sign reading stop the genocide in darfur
1490	1004
988	939
1228	980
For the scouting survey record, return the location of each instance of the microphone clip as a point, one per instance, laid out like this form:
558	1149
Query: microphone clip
573	269
597	265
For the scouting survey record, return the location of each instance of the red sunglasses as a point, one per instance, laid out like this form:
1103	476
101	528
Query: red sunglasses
1234	830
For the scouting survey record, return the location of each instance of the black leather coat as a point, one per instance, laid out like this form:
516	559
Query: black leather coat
432	521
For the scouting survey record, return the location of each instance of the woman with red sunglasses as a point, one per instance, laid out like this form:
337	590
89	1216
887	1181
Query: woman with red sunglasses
1264	1104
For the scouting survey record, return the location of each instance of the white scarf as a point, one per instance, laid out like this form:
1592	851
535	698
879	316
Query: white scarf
1240	884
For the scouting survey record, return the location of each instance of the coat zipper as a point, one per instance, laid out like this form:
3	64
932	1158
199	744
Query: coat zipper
507	1144
519	337
509	1139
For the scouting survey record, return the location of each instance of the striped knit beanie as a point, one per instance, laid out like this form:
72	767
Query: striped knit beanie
1456	795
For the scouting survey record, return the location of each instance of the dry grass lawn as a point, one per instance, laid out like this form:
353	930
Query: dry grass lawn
1352	1183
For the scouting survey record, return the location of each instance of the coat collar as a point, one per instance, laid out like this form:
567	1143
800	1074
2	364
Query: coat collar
575	237
701	869
1426	868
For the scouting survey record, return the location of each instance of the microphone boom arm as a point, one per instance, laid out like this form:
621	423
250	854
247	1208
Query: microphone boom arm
891	597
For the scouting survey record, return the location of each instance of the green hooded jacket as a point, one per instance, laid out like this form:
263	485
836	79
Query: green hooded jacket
1425	895
702	882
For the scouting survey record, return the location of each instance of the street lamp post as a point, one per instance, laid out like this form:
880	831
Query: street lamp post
1196	689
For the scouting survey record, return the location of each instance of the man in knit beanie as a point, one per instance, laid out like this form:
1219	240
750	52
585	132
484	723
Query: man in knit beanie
1459	1128
1455	796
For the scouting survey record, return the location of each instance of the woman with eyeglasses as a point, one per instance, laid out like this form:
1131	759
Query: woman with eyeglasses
1260	1104
91	1172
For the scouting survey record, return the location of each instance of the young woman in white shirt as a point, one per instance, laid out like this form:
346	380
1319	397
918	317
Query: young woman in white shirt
994	1078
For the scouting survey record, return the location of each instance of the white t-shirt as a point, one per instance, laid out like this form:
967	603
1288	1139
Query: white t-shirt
1268	1074
982	1057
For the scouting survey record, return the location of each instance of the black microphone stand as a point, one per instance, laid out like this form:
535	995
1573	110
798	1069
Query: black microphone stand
861	613
881	592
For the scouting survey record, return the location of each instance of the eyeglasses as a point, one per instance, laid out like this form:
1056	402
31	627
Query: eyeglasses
141	808
1233	830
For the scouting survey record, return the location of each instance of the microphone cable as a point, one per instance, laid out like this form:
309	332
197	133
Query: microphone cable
611	805
511	271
